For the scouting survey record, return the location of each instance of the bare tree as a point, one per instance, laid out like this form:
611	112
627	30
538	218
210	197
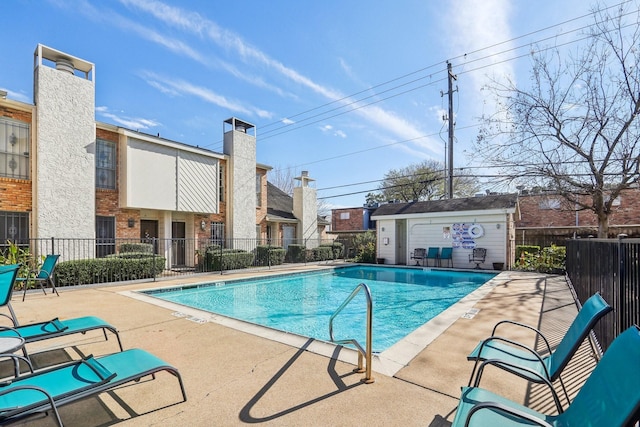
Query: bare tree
575	131
283	179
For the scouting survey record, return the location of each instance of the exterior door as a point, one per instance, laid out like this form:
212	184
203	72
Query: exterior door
149	233
401	242
288	235
178	235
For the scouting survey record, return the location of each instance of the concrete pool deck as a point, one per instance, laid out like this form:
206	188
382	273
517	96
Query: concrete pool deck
236	378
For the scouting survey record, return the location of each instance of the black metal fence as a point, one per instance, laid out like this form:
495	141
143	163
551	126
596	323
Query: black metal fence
611	267
84	261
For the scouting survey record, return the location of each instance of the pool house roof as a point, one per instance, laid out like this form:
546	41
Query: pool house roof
507	203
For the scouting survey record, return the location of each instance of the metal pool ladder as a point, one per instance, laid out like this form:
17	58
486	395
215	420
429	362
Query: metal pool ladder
362	353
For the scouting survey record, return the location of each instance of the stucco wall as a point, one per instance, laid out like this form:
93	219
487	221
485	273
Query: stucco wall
305	208
64	189
241	206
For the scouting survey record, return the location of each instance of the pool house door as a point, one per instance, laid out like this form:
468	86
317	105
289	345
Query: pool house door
401	242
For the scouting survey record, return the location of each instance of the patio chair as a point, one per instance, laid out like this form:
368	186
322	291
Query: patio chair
41	276
521	360
419	254
432	253
43	330
478	256
446	255
609	397
49	389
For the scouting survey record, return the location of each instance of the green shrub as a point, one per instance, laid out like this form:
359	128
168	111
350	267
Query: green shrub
321	253
108	269
269	255
550	259
365	247
296	253
520	249
218	259
337	249
145	248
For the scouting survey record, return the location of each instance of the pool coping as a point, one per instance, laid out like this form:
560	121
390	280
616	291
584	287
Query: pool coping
388	362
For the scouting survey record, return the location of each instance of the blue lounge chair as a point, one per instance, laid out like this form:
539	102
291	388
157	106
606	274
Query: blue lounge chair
432	253
526	362
609	397
446	255
43	330
44	275
49	389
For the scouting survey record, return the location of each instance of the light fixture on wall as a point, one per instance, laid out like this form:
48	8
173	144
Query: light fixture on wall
131	222
203	225
498	226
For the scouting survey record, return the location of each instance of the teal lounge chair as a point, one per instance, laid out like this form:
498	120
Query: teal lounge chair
44	275
525	362
432	253
609	397
43	330
446	255
49	389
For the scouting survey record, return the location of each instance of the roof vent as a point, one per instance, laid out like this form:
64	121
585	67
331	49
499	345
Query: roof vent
240	127
64	65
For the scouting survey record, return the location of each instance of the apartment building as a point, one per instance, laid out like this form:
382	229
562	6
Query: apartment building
65	176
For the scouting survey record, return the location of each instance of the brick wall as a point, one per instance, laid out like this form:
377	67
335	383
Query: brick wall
561	213
16	194
353	223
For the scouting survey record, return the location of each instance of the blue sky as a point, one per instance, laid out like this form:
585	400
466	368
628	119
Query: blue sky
343	89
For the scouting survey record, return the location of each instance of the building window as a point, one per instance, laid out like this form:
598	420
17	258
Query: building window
547	204
258	190
105	235
105	164
14	227
344	215
217	233
221	182
14	149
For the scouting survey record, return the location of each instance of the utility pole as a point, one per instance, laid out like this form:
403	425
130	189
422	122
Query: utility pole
450	77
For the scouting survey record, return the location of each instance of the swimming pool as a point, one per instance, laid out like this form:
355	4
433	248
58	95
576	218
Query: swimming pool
403	300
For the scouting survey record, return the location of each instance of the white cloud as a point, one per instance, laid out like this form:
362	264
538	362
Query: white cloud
182	87
195	23
136	123
15	95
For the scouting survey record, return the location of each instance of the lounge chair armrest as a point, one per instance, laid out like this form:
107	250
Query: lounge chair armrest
522	325
8	317
506	409
511	367
17	359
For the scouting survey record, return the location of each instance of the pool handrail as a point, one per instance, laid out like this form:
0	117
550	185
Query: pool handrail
368	378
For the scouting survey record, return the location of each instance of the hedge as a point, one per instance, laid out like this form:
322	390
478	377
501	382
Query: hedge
145	248
216	259
520	249
109	269
296	253
269	255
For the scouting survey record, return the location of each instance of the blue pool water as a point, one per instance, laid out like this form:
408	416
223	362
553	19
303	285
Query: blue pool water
403	300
